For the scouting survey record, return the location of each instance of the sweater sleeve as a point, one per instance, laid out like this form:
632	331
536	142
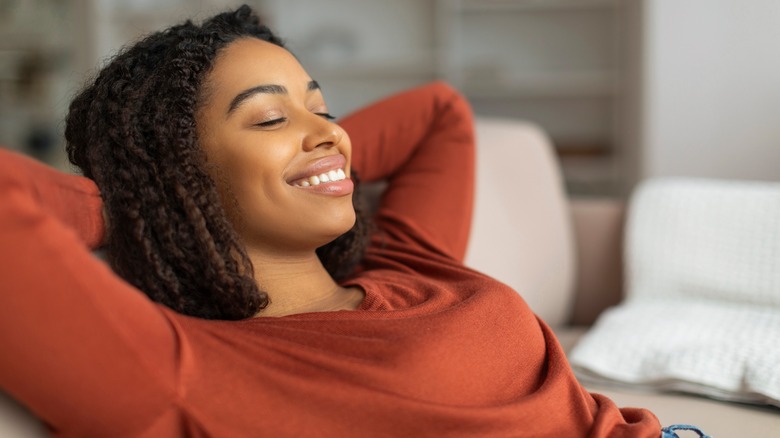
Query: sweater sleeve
422	142
73	200
85	351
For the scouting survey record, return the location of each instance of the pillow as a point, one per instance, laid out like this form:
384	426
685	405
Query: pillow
702	311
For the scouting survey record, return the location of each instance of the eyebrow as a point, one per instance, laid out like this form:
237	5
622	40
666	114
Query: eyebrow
267	89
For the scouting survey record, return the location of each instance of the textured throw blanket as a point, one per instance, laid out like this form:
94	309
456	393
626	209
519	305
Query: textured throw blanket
702	312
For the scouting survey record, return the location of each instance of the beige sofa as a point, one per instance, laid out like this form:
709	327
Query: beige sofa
562	255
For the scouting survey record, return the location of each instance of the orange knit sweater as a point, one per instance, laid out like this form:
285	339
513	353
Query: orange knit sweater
436	349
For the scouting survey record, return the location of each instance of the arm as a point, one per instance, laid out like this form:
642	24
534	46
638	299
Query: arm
73	200
422	142
84	350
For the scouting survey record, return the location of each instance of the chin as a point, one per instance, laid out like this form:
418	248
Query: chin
344	225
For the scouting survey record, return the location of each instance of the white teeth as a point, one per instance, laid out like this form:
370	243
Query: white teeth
332	175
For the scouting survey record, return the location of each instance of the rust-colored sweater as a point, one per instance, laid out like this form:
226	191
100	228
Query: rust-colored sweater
436	349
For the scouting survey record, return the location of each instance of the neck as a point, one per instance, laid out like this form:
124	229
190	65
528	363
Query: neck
299	284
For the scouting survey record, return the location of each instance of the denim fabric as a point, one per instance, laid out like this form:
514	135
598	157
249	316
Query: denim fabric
671	431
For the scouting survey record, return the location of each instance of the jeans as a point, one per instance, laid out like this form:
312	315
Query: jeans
671	431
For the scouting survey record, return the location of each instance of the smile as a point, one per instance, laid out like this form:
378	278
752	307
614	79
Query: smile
315	180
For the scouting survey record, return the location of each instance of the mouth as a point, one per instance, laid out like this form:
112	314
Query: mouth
325	177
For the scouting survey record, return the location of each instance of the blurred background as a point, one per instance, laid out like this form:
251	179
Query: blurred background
627	89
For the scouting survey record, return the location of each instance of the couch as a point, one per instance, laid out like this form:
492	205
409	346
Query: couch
563	255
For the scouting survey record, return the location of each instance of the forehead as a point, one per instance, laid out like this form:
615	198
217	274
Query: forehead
249	62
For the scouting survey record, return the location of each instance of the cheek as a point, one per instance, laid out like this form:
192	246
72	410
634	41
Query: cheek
227	195
233	180
250	165
346	147
257	193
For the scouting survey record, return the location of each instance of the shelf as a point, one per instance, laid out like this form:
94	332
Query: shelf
567	149
26	40
373	71
556	63
595	188
549	85
532	5
590	175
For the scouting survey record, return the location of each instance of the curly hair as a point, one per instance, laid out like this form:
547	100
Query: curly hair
132	130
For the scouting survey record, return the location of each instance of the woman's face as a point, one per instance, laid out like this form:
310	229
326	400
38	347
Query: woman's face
268	140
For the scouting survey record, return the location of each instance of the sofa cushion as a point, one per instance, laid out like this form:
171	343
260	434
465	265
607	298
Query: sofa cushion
18	422
702	312
521	231
717	418
598	224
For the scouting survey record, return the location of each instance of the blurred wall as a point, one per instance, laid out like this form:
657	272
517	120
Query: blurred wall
706	94
710	102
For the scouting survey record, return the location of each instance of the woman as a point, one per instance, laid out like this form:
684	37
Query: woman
228	192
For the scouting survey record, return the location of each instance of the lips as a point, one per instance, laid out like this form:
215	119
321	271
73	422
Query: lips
324	175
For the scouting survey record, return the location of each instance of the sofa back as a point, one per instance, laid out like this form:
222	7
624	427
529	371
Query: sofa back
521	231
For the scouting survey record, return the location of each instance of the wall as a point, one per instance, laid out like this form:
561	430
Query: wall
705	100
711	89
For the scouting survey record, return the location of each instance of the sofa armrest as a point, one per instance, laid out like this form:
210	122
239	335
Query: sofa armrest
598	235
18	422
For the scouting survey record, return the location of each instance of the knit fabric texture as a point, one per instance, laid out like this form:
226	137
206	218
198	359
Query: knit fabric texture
702	312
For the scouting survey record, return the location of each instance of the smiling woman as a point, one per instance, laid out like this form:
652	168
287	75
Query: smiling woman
190	136
272	149
213	155
270	137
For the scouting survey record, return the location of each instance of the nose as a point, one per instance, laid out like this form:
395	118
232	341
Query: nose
322	132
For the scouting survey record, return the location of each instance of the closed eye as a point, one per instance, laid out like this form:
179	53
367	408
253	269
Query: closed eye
271	122
326	116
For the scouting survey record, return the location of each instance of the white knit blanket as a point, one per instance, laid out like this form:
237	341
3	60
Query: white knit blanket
702	312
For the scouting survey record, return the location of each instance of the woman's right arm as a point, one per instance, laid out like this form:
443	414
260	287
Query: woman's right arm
84	350
74	200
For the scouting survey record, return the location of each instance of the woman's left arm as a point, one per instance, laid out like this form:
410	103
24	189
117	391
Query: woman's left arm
422	142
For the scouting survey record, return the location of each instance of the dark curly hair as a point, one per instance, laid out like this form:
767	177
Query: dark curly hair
132	130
